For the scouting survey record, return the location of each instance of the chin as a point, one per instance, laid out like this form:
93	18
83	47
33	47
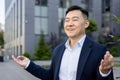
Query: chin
70	36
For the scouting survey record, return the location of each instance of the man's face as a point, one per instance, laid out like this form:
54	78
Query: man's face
75	24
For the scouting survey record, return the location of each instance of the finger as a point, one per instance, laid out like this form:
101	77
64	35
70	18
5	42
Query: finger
107	59
111	60
102	63
21	58
13	57
107	55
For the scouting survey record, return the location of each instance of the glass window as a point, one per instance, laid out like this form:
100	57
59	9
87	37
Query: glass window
37	2
20	49
41	16
44	2
64	3
41	2
37	10
44	11
41	24
37	25
44	25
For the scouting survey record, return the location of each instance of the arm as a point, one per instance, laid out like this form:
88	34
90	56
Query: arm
39	72
34	69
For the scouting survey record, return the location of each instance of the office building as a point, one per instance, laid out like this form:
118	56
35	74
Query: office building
25	19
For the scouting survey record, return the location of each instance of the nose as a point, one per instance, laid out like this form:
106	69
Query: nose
70	24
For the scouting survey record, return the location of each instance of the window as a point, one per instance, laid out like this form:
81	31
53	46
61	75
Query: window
41	16
37	2
63	5
37	25
44	25
41	2
37	10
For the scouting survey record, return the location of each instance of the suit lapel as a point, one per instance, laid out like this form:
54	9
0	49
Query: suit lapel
59	58
87	46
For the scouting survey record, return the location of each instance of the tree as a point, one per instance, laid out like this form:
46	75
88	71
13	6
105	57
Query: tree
43	51
117	20
114	50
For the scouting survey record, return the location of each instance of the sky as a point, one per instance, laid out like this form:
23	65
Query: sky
2	13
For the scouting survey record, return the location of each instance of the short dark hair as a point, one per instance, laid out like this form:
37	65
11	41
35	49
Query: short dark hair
75	7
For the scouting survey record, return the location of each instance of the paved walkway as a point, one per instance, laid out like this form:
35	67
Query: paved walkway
11	71
117	69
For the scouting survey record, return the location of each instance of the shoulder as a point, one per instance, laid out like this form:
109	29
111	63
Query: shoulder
60	46
97	48
94	43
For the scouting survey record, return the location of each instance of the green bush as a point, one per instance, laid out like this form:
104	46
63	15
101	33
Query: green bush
43	50
92	27
114	51
26	54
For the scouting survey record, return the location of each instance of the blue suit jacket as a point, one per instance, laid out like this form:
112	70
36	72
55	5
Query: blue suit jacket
88	66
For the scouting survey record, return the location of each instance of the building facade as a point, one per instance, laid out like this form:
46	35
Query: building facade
25	19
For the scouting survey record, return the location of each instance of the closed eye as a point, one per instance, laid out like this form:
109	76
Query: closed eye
75	19
66	20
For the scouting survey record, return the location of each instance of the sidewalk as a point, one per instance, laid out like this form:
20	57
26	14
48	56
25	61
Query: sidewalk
11	71
117	69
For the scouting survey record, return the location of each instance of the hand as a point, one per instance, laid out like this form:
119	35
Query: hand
107	63
21	60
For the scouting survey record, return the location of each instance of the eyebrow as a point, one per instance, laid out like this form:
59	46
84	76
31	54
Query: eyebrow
72	17
75	17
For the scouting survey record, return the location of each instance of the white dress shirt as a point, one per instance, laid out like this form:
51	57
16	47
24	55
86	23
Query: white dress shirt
69	63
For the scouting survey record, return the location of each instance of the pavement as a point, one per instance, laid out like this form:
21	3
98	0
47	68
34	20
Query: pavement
9	70
116	69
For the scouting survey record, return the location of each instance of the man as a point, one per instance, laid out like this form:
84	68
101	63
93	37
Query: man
79	58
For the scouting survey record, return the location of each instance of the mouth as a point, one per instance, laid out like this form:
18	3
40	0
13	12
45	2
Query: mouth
70	30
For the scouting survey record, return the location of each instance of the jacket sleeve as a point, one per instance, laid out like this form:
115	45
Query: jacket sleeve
109	77
100	77
39	72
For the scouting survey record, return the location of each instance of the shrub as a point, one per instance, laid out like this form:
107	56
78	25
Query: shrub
26	54
92	27
43	51
114	51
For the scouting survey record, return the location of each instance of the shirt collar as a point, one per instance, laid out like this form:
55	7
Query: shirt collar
79	43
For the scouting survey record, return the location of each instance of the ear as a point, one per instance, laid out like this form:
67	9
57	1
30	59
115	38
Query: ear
87	23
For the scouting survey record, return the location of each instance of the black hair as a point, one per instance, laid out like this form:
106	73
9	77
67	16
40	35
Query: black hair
75	7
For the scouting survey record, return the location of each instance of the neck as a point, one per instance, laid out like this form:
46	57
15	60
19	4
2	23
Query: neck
73	41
